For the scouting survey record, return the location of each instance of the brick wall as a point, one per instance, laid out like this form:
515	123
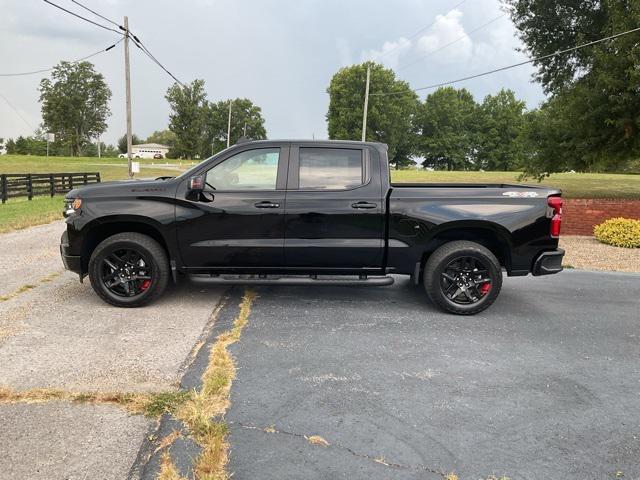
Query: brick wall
581	215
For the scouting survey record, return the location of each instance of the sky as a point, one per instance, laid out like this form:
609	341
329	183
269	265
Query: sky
281	54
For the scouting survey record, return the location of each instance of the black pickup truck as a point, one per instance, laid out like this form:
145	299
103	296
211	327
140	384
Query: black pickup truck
310	213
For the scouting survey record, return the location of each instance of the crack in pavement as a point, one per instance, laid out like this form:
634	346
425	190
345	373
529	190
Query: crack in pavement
380	459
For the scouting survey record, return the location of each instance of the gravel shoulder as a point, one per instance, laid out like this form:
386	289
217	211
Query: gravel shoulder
58	334
588	253
58	440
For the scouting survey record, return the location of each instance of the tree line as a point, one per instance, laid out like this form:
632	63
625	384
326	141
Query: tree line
590	120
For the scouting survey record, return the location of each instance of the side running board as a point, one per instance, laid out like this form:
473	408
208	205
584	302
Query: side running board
289	280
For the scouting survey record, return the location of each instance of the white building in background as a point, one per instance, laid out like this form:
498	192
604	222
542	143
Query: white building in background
149	150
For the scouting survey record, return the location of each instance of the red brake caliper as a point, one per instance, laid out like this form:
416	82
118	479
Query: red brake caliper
146	283
484	288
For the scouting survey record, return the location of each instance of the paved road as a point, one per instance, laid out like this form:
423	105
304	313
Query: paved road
546	384
59	334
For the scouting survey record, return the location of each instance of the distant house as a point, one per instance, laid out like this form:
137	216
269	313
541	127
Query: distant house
148	150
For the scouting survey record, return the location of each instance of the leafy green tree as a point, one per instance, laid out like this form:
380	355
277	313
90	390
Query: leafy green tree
75	104
187	118
594	90
390	118
122	142
163	137
246	121
501	144
448	122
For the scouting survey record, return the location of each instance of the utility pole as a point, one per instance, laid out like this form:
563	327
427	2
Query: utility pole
127	76
229	125
99	147
366	106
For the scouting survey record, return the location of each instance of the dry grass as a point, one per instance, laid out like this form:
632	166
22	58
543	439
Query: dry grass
30	286
317	440
149	404
212	400
168	470
451	476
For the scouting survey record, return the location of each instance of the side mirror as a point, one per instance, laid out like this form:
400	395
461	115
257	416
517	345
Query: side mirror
196	184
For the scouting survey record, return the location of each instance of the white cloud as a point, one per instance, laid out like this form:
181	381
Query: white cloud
390	52
447	31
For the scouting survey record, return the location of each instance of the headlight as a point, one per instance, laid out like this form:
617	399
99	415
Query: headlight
71	206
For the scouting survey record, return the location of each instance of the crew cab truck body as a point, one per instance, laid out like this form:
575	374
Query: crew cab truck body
295	211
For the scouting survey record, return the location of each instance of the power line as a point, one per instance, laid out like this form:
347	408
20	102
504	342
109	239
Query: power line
501	69
145	50
137	42
423	29
83	18
466	35
18	112
44	70
98	15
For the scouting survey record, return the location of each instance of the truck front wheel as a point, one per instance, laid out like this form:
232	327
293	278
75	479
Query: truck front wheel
129	270
462	277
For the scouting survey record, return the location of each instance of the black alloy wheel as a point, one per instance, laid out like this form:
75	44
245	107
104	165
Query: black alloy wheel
129	269
126	272
462	277
465	280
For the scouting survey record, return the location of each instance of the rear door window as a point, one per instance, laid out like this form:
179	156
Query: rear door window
331	169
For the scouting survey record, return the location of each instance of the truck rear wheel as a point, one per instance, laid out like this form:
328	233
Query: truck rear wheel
129	270
462	277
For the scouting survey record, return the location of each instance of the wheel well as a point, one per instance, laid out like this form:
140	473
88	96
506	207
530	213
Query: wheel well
104	231
486	237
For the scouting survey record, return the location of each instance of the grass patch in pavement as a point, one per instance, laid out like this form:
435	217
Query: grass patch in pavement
148	404
29	286
201	411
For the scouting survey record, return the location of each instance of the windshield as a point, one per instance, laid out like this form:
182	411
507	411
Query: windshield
192	169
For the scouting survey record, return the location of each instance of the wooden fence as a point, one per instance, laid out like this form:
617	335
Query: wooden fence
33	184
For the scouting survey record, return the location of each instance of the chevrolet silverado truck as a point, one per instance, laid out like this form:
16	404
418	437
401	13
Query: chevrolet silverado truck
309	213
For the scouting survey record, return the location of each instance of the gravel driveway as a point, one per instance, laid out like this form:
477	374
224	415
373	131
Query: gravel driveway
59	334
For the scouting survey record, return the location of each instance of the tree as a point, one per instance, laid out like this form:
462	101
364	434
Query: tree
187	118
243	114
75	104
501	144
594	89
390	117
163	137
448	122
122	142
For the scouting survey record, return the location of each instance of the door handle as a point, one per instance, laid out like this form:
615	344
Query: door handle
364	205
266	204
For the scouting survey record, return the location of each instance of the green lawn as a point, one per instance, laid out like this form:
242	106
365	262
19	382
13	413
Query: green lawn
109	168
573	185
19	213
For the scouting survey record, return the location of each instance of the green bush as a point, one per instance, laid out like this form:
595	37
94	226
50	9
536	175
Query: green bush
619	232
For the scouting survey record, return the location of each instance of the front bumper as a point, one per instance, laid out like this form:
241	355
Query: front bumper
548	263
71	262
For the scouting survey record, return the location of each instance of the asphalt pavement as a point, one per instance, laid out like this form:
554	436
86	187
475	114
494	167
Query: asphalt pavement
332	382
545	384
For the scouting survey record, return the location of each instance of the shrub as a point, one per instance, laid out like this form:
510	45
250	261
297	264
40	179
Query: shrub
619	232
